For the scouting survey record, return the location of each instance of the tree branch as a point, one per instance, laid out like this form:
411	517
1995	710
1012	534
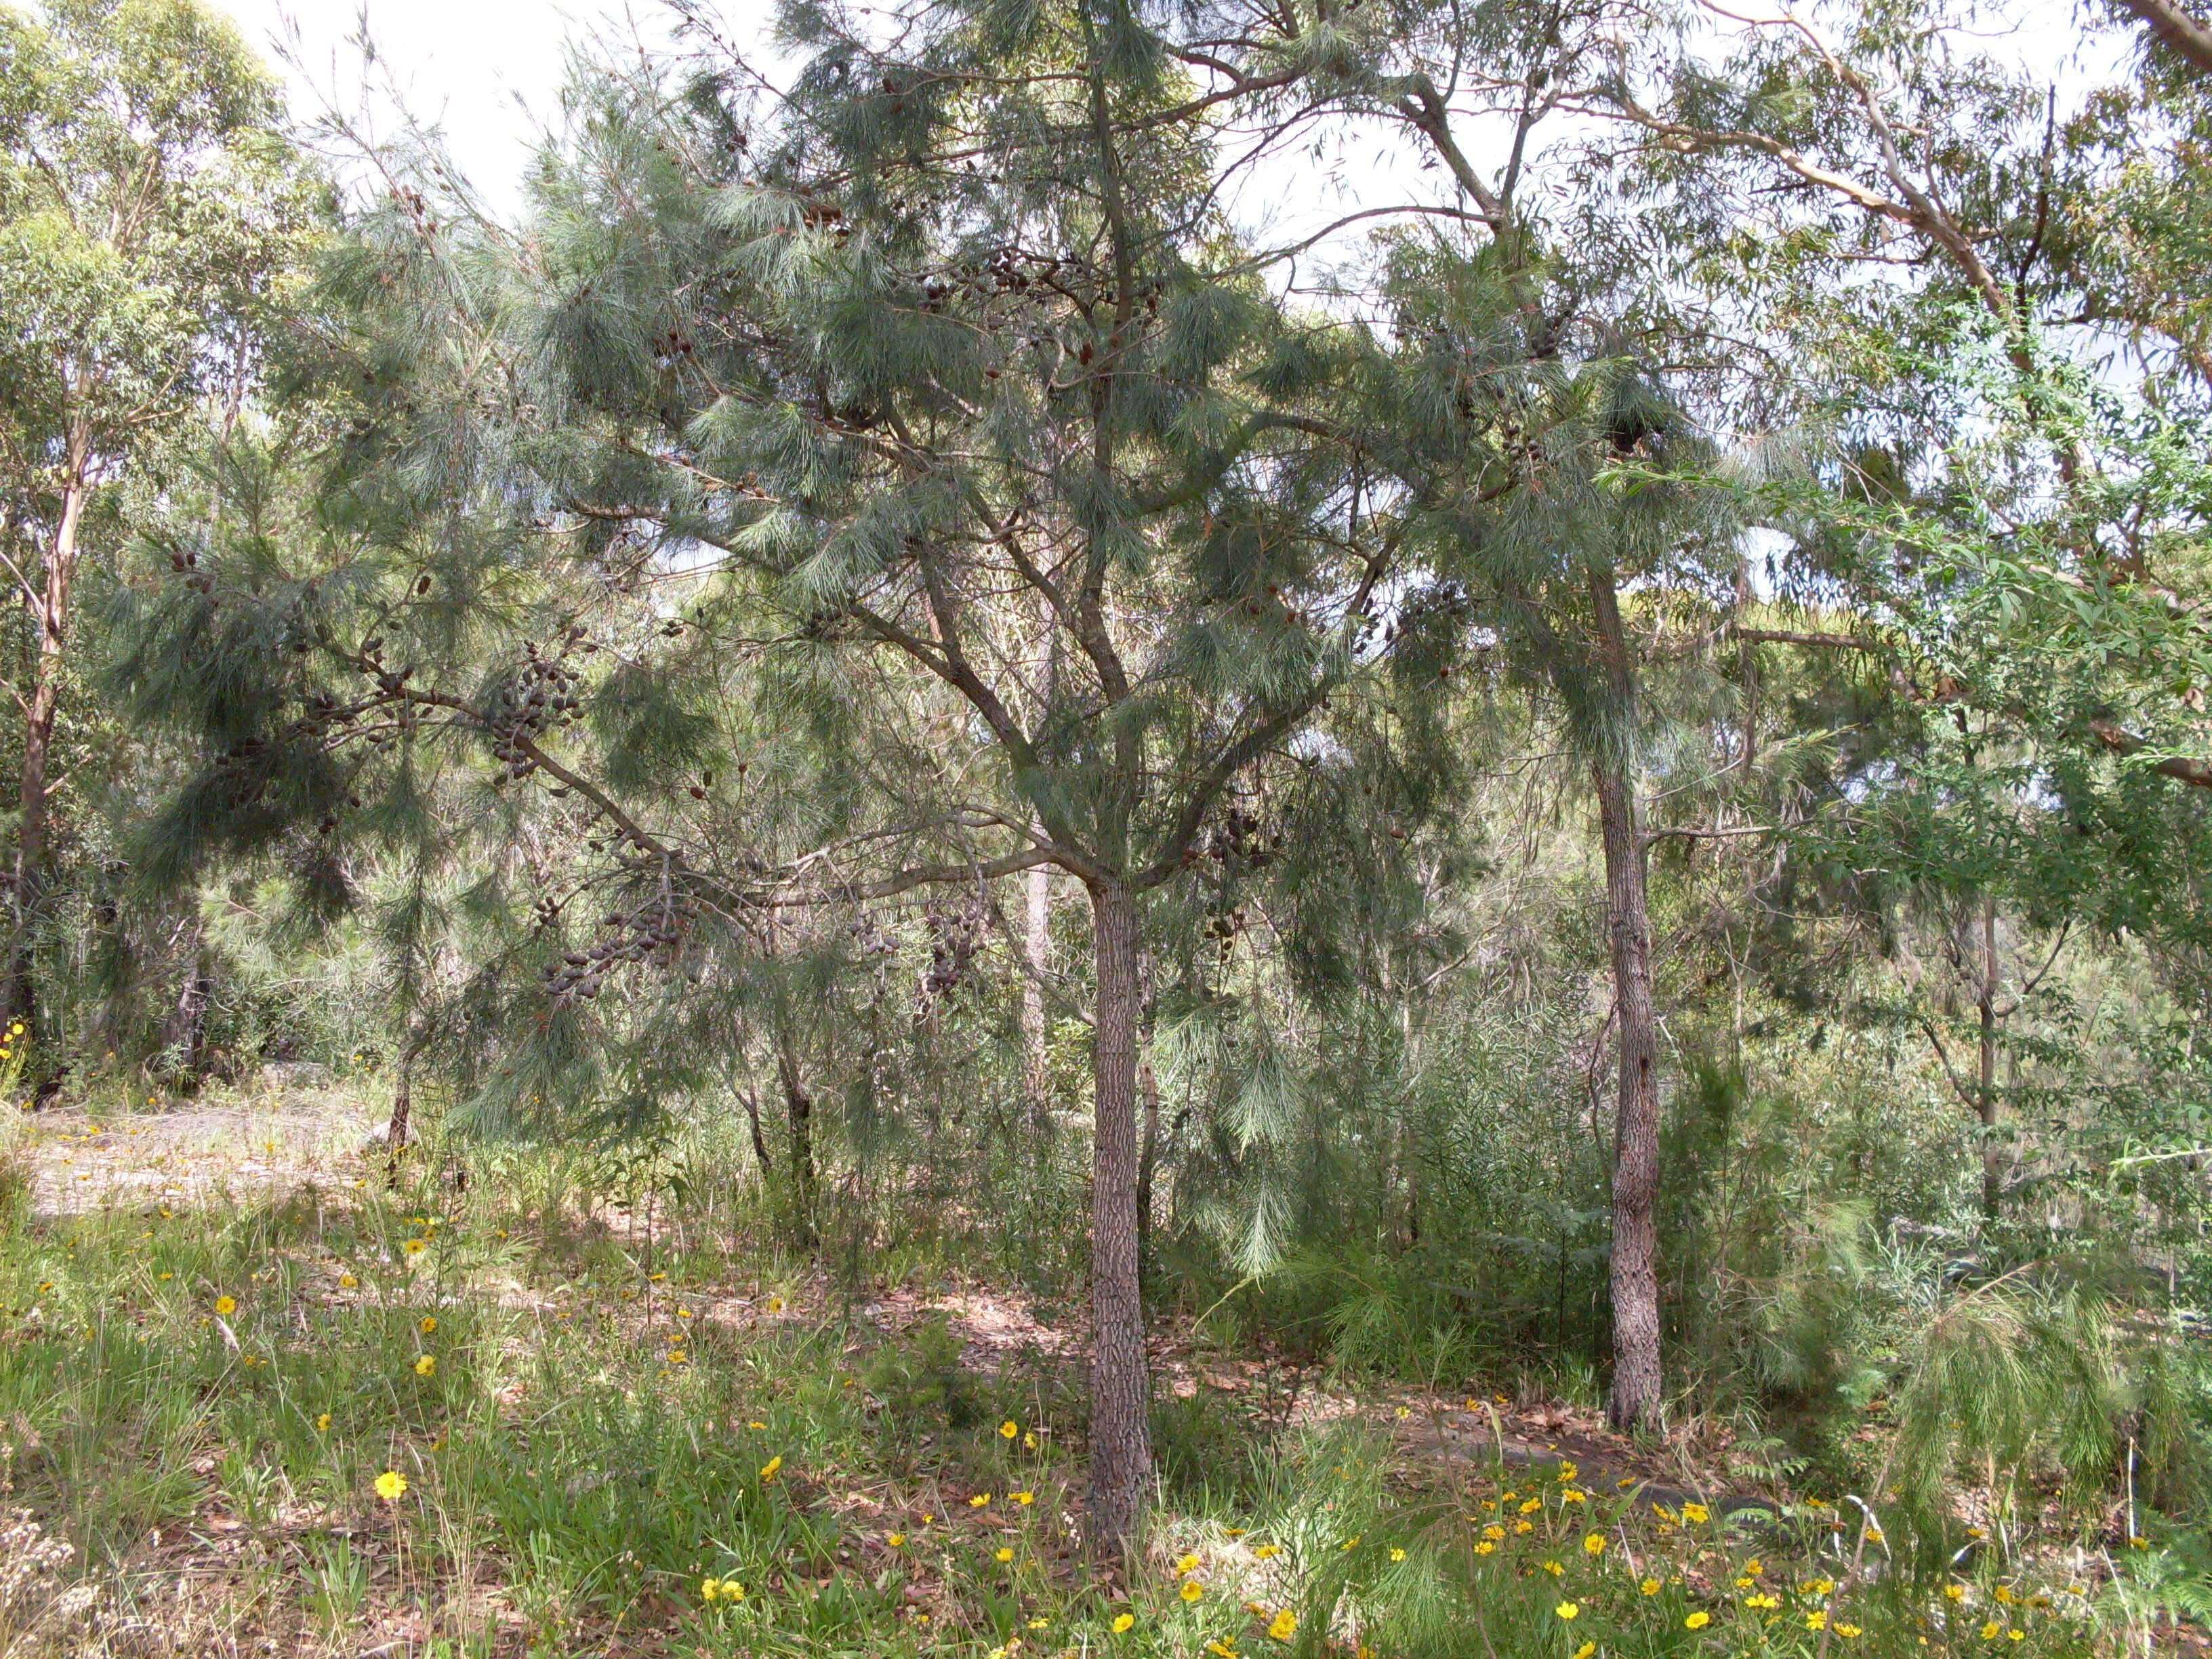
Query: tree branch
2178	29
2121	741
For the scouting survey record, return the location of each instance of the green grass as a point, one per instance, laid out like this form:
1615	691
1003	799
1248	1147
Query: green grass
210	1394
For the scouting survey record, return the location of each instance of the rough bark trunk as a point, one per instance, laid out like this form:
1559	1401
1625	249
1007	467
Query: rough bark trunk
799	1113
1036	1078
1985	1071
751	1102
401	1121
1120	1432
44	704
400	1125
1635	1268
184	1030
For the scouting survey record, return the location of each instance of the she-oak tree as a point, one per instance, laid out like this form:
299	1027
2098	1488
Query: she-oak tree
941	412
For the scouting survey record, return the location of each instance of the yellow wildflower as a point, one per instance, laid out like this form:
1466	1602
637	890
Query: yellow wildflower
391	1486
1817	1620
1847	1632
1567	1609
1397	1555
1192	1589
896	1540
1004	1556
1187	1565
1268	1552
1284	1627
1991	1630
1484	1548
1026	1499
1553	1568
1650	1587
426	1324
1696	1514
709	1588
769	1469
1697	1620
979	1500
1123	1622
1594	1544
425	1365
1585	1650
1009	1429
226	1305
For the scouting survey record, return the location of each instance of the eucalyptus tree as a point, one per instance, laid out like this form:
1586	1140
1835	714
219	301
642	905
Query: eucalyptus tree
1969	294
150	211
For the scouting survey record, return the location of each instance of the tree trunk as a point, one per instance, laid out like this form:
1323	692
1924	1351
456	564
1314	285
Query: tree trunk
751	1104
185	1031
1635	1271
1036	1078
52	615
401	1123
1120	1432
1985	1073
799	1112
397	1127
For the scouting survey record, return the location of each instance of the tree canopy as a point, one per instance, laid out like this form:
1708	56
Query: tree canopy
1169	696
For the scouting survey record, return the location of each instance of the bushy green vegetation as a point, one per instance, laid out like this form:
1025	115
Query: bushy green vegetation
494	1420
871	892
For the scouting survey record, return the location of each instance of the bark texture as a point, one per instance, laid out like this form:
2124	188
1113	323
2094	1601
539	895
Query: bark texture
798	1116
34	786
1036	1078
1635	1267
1120	1432
1985	1063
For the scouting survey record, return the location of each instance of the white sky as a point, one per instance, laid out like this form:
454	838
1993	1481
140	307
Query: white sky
489	72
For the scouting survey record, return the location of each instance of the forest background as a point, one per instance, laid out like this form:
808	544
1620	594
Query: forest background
1588	773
